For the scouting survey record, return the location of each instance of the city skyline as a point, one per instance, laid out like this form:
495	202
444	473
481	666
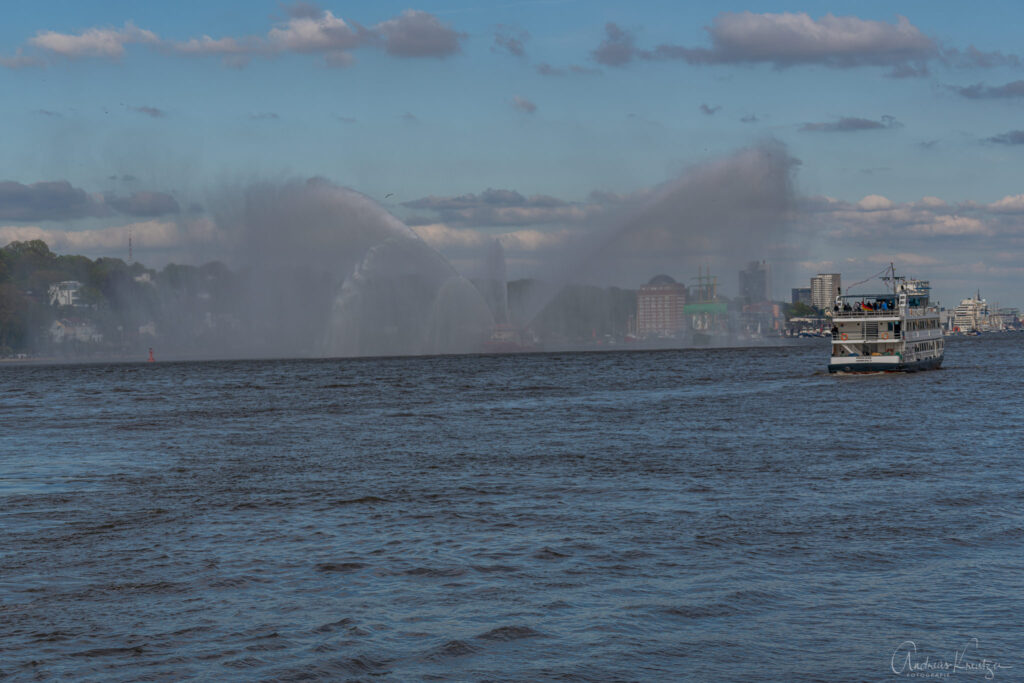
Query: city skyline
539	124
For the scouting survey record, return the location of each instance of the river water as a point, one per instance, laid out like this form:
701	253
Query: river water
720	514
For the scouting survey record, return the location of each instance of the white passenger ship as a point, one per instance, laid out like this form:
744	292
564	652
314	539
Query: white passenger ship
894	332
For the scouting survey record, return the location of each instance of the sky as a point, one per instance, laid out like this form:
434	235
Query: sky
536	123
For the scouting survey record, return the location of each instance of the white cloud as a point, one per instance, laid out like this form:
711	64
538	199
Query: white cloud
441	236
905	259
155	234
20	60
1009	204
534	240
93	42
325	33
206	45
903	225
953	225
310	30
817	266
874	202
792	38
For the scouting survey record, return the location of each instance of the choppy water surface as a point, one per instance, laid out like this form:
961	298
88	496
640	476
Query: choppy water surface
712	515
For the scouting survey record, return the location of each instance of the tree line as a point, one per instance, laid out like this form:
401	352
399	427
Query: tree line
123	302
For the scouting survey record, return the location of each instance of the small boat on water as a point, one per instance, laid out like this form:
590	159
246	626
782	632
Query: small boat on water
898	331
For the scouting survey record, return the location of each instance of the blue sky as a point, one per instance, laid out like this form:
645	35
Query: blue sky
905	123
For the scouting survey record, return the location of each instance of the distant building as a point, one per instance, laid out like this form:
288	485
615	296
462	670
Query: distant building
74	330
660	308
755	283
971	315
1005	319
65	293
800	295
824	290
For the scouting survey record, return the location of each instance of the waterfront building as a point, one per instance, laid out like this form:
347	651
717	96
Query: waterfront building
800	295
72	329
755	283
660	308
825	287
1006	318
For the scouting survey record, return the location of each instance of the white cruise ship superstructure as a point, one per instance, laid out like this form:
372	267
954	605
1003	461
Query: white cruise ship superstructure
898	331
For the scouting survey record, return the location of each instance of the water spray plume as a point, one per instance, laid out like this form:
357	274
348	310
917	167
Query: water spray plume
726	211
332	273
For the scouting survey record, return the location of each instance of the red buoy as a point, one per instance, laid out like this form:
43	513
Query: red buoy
151	359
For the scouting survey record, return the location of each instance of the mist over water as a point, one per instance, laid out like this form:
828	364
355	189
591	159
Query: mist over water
493	283
314	269
345	277
405	299
724	212
333	273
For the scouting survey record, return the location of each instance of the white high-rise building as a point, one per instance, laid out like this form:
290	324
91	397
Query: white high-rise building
824	290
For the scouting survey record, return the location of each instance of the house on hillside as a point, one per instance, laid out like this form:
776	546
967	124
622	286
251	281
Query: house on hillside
73	329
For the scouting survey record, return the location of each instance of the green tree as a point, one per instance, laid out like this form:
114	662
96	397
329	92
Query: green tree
25	258
74	267
800	310
13	316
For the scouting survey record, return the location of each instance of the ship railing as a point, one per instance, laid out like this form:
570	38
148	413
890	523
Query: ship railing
892	312
838	336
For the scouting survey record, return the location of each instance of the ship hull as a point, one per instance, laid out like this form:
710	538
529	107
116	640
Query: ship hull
854	367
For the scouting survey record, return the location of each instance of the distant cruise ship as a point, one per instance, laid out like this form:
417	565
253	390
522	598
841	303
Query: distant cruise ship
897	331
971	316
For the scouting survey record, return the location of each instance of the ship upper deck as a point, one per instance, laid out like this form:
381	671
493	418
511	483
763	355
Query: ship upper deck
860	306
919	312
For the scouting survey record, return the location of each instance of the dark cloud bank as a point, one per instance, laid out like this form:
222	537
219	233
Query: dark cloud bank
791	39
60	201
849	124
